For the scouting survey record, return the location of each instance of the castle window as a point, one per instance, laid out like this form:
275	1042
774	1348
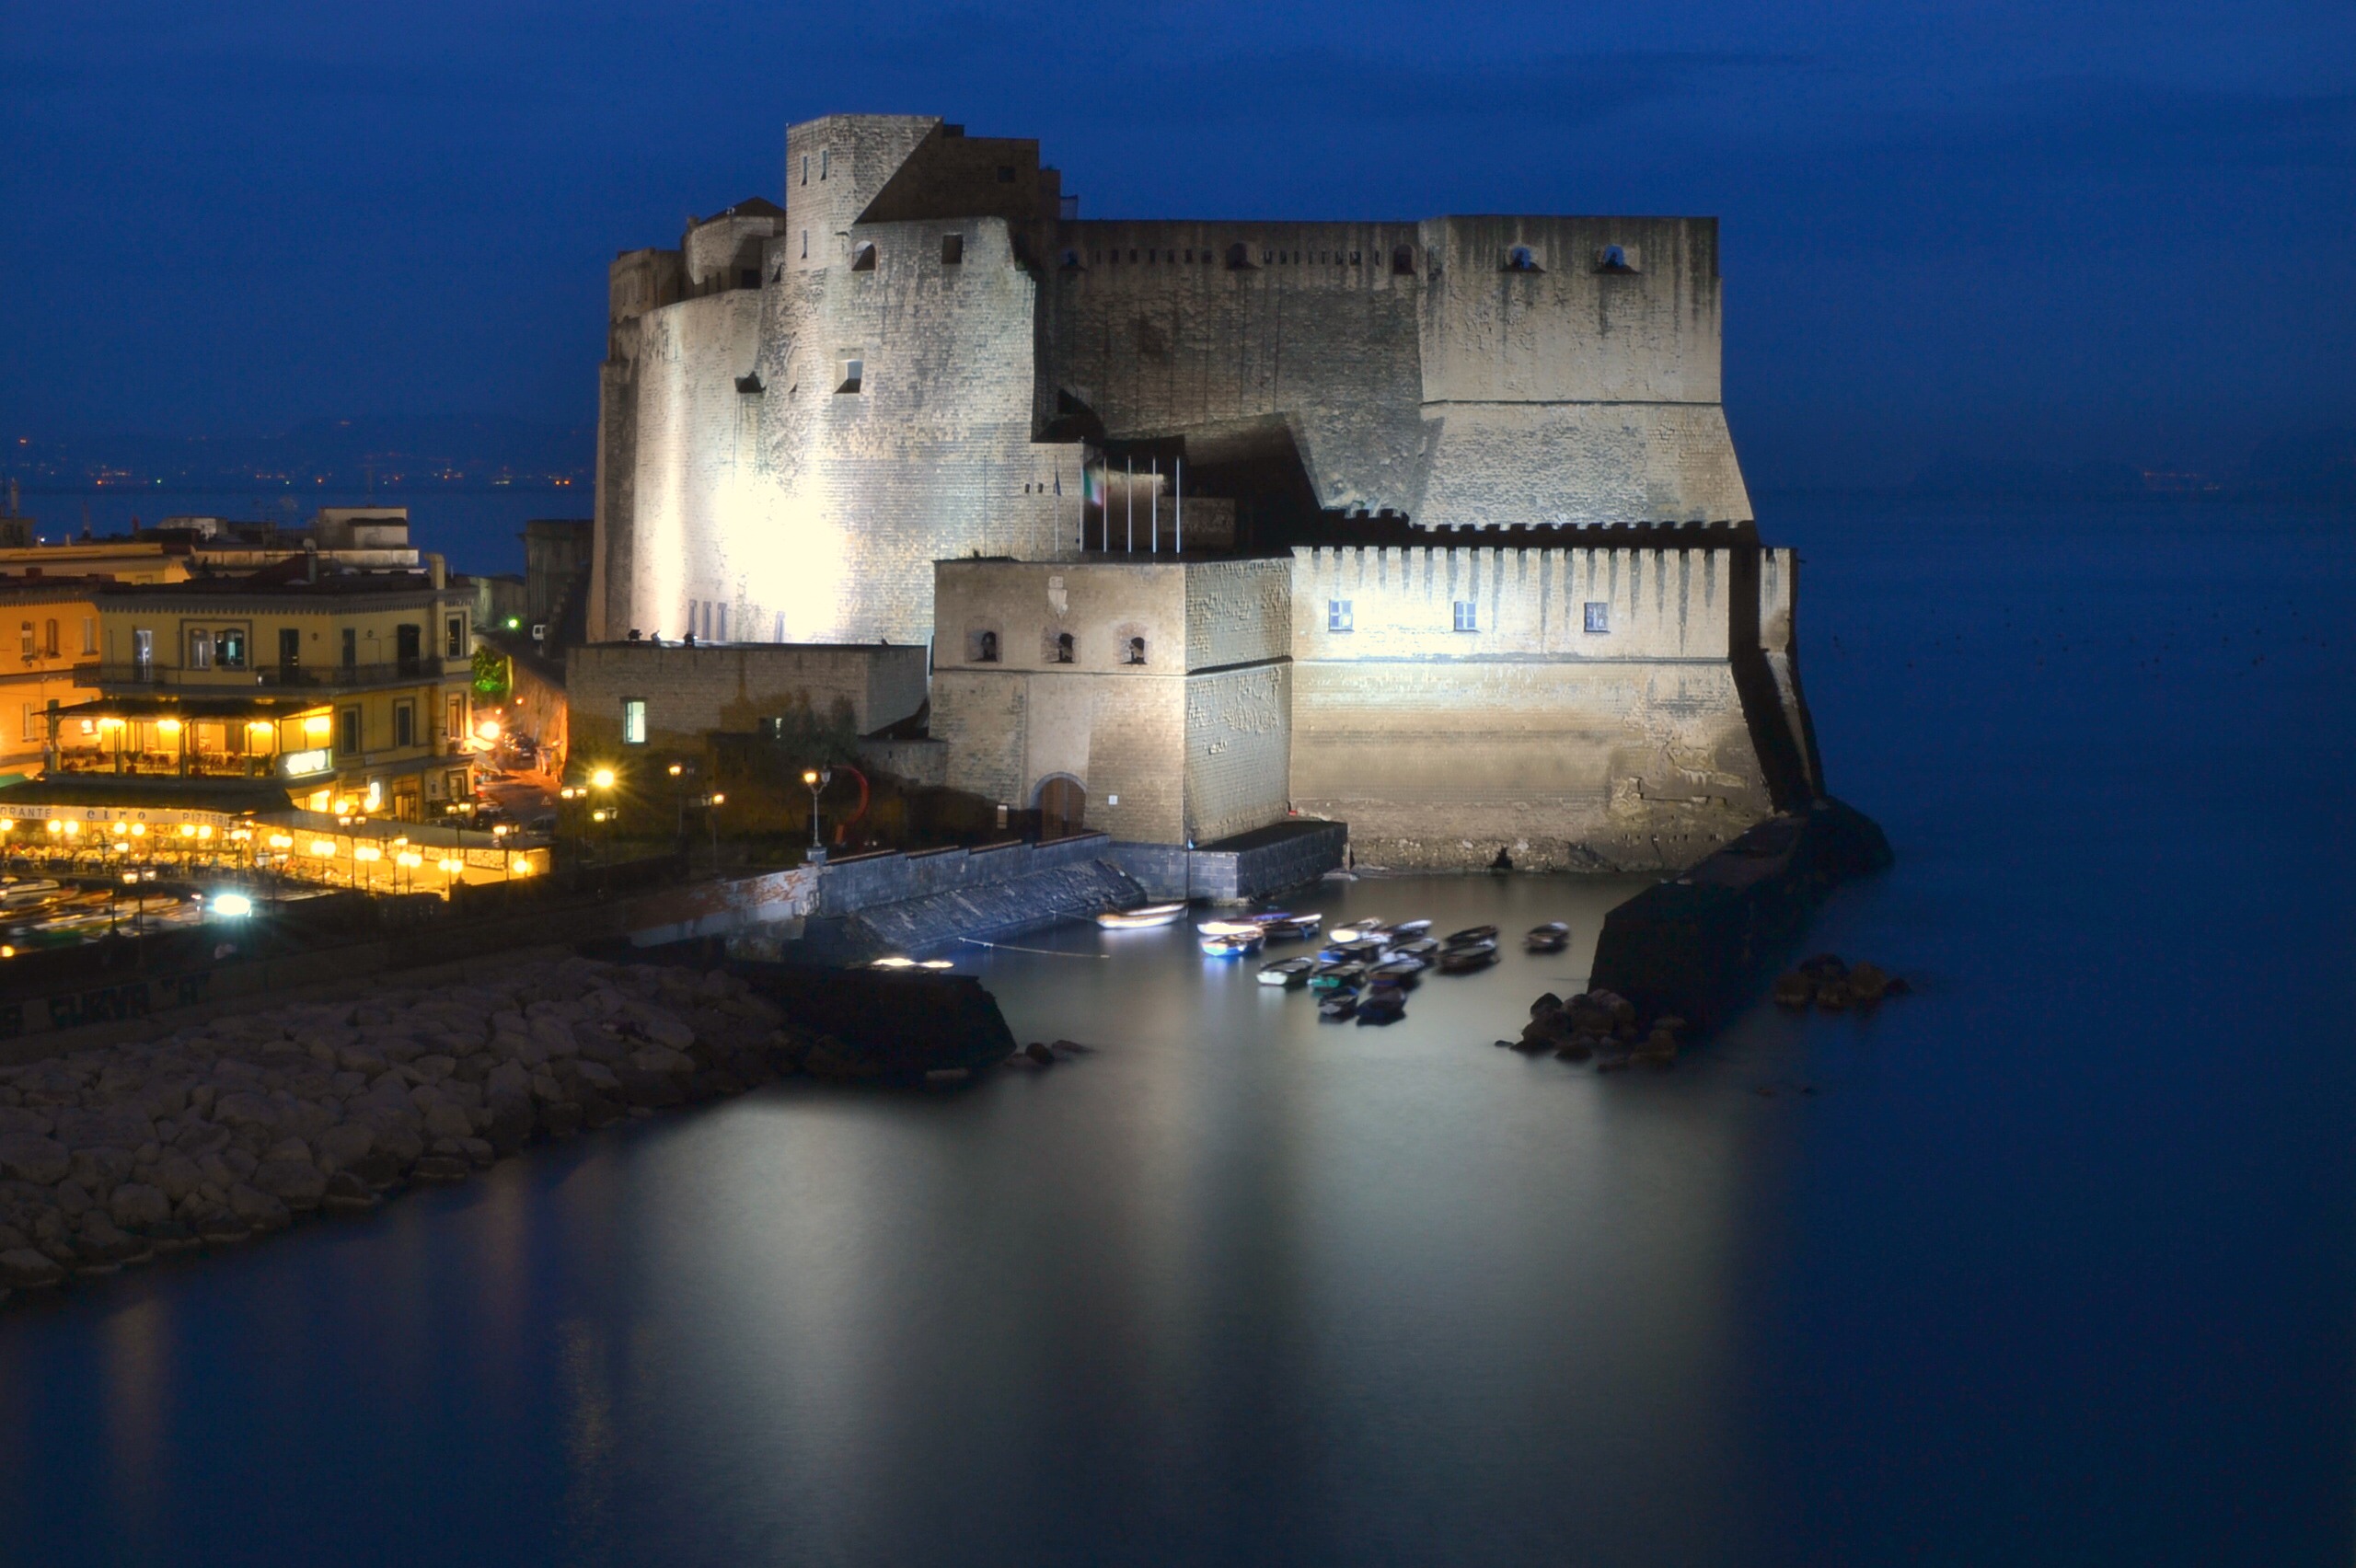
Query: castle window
1614	258
1133	254
1063	648
780	635
1238	257
1136	651
854	372
749	385
805	245
1006	174
1190	255
1599	615
748	277
826	155
805	168
862	257
633	721
1468	615
1521	259
981	647
1071	260
1337	615
721	611
952	249
1403	261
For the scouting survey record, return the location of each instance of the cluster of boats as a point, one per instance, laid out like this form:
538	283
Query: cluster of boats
41	912
1366	969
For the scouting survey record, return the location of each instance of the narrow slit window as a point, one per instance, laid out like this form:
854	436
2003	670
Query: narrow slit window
633	721
952	249
1599	615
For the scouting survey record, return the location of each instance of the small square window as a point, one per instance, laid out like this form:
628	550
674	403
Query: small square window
633	721
1337	615
854	372
1006	174
1599	615
1468	615
862	257
952	249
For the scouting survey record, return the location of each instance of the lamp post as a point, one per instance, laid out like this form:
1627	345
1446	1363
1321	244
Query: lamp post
711	805
817	779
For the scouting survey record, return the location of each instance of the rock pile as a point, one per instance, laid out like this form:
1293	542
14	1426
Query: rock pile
1832	983
223	1130
1601	1027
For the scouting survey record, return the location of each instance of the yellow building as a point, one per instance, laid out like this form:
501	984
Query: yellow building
140	560
54	633
384	659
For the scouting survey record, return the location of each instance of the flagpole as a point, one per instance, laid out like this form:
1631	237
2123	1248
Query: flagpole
1153	528
1129	500
1182	508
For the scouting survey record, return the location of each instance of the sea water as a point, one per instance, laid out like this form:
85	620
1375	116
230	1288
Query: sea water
2050	1261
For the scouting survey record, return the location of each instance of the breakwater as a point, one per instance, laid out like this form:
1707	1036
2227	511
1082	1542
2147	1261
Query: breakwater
114	1154
1697	946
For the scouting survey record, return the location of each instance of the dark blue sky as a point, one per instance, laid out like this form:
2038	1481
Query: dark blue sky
2066	232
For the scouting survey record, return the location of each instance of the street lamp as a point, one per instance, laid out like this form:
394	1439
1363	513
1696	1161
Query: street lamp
816	778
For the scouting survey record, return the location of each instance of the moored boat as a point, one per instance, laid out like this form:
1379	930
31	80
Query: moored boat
1232	944
1552	936
1422	947
1464	958
1289	973
1472	934
1140	918
1408	930
1338	977
1338	1006
1383	1003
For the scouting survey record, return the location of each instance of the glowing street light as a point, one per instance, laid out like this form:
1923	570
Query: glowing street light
817	778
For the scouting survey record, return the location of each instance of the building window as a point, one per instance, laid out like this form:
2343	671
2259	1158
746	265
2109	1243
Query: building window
982	648
826	157
862	257
1006	174
805	168
1063	648
90	635
347	732
633	721
143	653
952	249
49	640
1614	259
200	646
1136	651
805	245
454	721
290	649
781	627
1468	615
748	277
350	648
1403	261
1237	259
1337	615
1521	259
229	648
454	637
1599	615
32	725
404	724
854	376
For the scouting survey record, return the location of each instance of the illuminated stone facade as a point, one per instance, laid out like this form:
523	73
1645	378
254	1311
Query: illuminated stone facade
1469	429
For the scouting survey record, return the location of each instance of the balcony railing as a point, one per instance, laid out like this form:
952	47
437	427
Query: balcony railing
290	677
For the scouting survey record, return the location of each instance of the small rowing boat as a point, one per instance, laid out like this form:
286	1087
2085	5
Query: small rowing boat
1472	934
1291	973
1231	944
1338	977
1408	930
1137	919
1338	1006
1552	936
1464	958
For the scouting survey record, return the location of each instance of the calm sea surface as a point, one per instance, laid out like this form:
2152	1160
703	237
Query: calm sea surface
2054	1266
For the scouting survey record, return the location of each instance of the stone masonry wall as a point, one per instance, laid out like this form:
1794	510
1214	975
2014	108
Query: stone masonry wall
1623	748
691	691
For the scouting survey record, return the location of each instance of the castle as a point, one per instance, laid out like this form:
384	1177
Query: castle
1468	561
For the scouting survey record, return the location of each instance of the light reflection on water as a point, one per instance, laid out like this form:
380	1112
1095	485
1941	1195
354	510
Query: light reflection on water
2054	1268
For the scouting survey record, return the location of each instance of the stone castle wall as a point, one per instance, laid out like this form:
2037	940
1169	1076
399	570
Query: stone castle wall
1625	748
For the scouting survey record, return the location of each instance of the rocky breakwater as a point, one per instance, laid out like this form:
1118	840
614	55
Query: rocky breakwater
113	1156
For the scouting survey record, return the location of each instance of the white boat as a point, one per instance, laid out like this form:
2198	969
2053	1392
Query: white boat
1138	919
1234	945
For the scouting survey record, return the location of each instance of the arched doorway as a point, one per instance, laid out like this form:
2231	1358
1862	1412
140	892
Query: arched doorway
1063	806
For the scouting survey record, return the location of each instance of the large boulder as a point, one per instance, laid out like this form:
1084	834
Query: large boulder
29	1157
259	1210
243	1108
341	1145
21	1268
135	1206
